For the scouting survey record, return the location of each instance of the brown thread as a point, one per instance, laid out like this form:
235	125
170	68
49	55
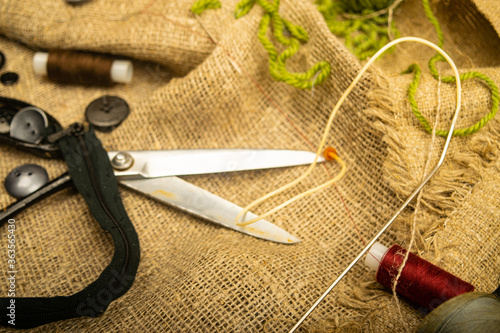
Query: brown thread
80	68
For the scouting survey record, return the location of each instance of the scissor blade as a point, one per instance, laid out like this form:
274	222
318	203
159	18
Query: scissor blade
194	200
164	163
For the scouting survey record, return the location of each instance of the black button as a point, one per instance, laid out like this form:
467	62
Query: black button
4	125
9	78
75	2
2	60
25	179
28	124
107	112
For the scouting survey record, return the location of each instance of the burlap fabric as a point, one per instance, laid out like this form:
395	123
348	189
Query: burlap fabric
195	276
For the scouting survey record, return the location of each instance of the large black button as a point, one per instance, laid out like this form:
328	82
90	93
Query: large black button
25	179
107	112
28	124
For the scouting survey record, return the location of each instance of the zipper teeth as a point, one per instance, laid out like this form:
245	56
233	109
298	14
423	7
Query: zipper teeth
93	179
90	167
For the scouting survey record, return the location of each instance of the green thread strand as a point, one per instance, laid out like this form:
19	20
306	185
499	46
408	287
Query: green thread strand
434	21
316	75
201	5
277	61
243	7
296	31
362	36
412	89
358	6
269	7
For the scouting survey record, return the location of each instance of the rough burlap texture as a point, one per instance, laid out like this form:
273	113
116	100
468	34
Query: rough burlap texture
195	276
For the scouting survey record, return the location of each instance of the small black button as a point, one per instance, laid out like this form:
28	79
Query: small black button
9	78
107	112
4	125
76	2
2	60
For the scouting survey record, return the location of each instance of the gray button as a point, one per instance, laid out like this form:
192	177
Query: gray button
28	125
107	112
25	179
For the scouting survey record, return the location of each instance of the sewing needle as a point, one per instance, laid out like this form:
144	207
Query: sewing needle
419	187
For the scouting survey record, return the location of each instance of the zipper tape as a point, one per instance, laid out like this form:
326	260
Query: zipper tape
93	176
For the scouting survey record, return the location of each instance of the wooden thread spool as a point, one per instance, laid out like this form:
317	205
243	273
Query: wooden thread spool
420	282
82	68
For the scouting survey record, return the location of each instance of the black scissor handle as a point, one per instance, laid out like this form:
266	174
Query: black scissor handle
8	109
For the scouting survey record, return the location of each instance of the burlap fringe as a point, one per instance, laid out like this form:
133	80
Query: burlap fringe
453	182
446	192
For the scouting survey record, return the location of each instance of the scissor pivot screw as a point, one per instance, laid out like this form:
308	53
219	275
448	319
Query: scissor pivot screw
122	161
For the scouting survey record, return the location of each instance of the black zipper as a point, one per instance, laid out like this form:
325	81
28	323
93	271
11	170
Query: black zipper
95	185
77	130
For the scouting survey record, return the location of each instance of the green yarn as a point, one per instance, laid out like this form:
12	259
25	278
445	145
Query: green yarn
243	7
364	31
277	62
358	6
201	5
412	89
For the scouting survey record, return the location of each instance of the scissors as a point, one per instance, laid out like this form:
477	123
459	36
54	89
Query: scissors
152	173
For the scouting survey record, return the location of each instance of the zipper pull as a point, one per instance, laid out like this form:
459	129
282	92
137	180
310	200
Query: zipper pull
73	129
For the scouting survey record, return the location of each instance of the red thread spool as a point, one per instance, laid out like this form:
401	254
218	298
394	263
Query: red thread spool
420	282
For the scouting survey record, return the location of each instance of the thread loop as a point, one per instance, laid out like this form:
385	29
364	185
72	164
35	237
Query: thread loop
412	89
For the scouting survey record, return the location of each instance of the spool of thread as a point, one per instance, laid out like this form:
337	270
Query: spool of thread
82	68
470	312
420	282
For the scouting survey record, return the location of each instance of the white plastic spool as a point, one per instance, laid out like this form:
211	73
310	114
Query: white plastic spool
375	256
